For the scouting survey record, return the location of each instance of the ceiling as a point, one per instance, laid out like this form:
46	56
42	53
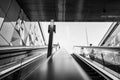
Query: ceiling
71	10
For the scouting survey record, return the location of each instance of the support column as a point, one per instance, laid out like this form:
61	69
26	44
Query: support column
51	29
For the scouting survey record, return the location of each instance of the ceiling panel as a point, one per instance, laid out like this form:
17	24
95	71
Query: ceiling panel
71	10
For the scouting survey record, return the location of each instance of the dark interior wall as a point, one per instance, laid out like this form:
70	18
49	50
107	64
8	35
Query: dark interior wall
9	14
10	10
2	14
13	11
4	5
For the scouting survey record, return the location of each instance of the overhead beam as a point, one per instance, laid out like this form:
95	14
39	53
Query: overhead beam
61	10
79	10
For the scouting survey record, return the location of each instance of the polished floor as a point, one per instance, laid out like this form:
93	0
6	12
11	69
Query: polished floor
61	66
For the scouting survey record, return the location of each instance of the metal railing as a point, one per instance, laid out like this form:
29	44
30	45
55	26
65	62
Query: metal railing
14	58
5	50
107	57
117	49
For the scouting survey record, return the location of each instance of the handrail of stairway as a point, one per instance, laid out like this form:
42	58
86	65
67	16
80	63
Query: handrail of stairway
15	49
117	49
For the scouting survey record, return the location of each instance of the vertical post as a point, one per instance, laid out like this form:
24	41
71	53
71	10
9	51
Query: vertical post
103	59
86	36
51	29
41	30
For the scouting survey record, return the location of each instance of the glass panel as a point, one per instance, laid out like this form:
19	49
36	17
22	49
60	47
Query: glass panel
1	17
7	31
114	39
3	42
106	59
33	35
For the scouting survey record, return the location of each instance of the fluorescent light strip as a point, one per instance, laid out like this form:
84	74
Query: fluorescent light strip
18	65
102	70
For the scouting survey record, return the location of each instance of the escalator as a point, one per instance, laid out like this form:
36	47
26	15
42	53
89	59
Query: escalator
93	73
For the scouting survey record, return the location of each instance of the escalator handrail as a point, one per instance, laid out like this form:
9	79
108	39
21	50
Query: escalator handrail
117	49
15	49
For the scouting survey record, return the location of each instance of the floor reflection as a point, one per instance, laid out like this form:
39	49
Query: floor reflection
50	69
